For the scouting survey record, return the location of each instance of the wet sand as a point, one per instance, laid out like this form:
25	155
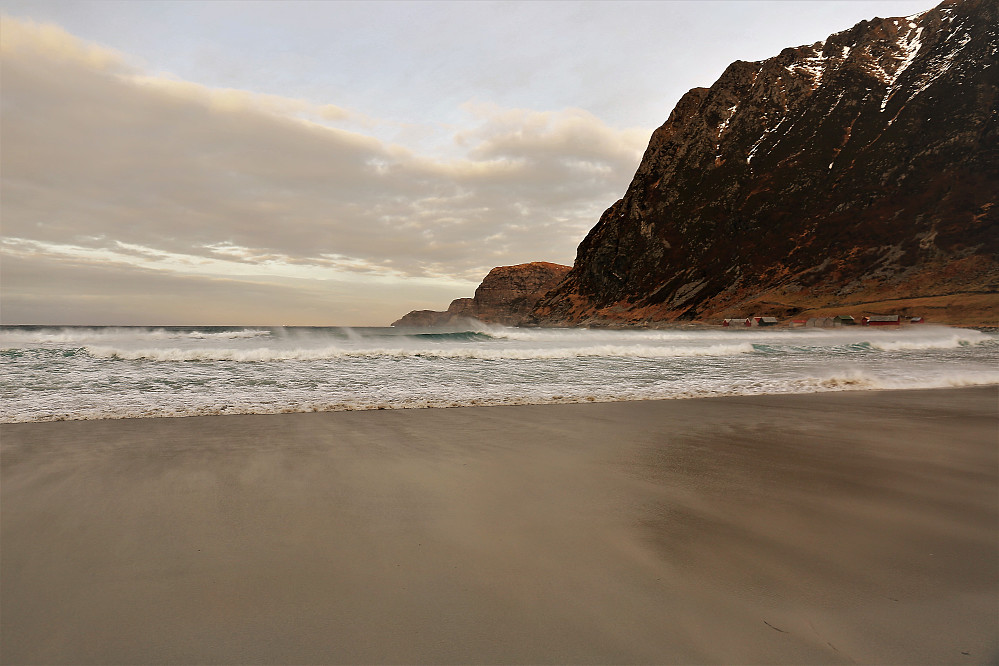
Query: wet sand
858	527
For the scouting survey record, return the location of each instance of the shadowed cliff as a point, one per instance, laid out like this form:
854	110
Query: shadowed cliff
859	170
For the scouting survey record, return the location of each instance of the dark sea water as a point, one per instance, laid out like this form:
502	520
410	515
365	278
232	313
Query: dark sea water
132	372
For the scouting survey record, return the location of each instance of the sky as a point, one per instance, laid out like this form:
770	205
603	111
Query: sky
334	163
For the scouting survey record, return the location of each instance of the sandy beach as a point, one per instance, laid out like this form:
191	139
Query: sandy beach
855	527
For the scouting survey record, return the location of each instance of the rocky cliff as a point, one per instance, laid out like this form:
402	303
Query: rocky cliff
506	296
859	170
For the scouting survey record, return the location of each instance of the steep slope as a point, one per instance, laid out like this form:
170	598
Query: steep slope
864	168
505	296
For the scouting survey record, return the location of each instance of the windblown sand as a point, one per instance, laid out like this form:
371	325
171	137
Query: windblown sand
833	528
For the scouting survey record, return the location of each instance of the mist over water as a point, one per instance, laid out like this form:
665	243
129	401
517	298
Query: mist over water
90	373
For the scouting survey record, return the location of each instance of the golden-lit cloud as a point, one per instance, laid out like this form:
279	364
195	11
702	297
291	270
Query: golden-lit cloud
28	39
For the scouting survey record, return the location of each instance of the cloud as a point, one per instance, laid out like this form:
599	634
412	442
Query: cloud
228	100
24	38
52	289
543	134
102	159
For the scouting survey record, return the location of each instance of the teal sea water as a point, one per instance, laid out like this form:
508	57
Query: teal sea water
134	372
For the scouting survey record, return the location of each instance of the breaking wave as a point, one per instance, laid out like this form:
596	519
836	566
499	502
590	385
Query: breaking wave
101	373
947	342
19	337
266	354
849	381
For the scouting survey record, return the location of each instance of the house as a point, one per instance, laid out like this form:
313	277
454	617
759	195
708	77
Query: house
917	320
799	323
845	320
738	321
881	320
766	321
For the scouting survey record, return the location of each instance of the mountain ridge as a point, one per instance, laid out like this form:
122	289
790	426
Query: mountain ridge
858	169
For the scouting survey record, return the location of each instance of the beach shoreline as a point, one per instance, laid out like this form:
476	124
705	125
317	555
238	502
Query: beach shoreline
112	373
851	381
834	527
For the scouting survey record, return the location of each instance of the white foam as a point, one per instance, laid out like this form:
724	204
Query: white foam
854	379
266	354
17	338
848	380
951	342
130	374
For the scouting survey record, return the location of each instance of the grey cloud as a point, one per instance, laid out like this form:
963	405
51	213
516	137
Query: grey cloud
96	155
46	291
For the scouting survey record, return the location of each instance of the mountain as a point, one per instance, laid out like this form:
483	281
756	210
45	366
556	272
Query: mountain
861	171
505	296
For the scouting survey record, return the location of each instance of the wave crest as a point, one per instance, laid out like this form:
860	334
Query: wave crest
266	354
949	342
13	339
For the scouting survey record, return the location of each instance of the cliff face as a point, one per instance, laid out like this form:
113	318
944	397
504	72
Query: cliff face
506	296
860	169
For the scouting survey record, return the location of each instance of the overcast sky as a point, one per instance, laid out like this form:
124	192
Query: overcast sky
334	163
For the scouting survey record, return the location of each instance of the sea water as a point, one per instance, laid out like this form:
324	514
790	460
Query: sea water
108	373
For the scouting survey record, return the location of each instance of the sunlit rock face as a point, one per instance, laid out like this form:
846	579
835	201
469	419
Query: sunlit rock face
861	169
506	296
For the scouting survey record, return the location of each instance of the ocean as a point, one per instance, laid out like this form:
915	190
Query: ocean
64	373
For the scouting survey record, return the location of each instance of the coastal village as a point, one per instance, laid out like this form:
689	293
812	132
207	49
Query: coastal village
824	322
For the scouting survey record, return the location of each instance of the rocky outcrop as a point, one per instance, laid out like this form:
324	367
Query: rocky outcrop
509	293
506	296
861	169
423	319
